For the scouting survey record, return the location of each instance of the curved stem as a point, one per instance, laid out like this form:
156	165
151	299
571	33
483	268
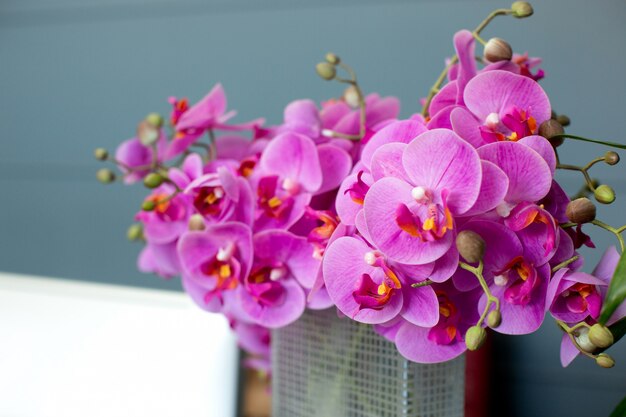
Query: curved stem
565	263
616	232
600	142
491	299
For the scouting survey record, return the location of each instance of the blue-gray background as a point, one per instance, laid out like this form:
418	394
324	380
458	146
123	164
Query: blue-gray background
77	74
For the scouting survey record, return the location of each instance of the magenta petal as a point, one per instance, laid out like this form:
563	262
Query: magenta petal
569	352
421	307
286	312
446	265
444	98
529	176
497	91
350	197
361	226
380	208
606	267
401	131
233	147
541	145
320	300
493	189
294	251
159	259
465	124
301	116
440	160
293	156
387	162
335	164
343	267
204	112
441	119
413	343
464	45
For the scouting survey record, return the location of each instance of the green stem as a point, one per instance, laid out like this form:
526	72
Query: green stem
491	299
565	263
616	232
422	284
600	142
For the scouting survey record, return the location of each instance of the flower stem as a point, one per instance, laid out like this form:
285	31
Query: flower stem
491	299
617	232
600	142
565	263
422	284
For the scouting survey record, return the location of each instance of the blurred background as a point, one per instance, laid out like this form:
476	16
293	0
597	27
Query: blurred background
78	74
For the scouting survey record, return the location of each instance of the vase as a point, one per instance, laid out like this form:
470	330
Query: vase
327	366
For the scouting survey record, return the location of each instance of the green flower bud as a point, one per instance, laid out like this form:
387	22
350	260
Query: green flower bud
521	9
551	128
497	49
580	211
611	158
582	338
326	71
475	337
148	205
470	245
153	180
135	232
196	222
332	58
605	361
101	154
147	133
494	319
105	176
155	119
563	119
604	194
600	336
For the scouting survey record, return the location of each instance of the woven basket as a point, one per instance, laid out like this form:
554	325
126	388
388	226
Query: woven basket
325	366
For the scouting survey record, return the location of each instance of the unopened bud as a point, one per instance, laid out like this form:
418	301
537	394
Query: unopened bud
135	232
470	245
196	222
147	133
582	339
497	49
475	337
148	205
494	319
101	154
153	180
581	210
521	9
604	194
605	361
563	119
105	176
332	58
551	128
155	119
611	158
351	97
600	336
325	70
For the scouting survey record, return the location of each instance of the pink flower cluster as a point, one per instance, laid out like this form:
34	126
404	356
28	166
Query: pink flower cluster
276	219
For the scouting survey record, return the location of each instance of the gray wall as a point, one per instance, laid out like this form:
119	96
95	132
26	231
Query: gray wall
79	74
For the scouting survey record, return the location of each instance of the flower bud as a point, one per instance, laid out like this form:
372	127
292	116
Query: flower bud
135	232
604	194
551	128
351	97
521	9
475	337
494	319
470	245
611	158
147	133
101	154
332	58
196	222
605	361
563	119
153	180
582	338
326	71
497	49
600	336
155	119
581	210
148	205
105	176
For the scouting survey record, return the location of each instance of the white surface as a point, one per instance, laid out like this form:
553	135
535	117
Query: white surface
76	349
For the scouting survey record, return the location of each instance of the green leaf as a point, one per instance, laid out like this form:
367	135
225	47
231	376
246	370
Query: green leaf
620	410
617	291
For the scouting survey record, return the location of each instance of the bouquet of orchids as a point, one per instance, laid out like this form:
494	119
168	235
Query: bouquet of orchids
431	229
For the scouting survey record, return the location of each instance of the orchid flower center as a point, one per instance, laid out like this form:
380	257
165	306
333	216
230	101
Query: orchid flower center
520	278
167	208
264	285
527	216
438	218
210	201
246	167
320	235
446	330
224	269
370	294
275	202
358	190
514	125
582	297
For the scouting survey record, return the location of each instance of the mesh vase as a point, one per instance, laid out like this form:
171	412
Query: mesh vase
325	366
